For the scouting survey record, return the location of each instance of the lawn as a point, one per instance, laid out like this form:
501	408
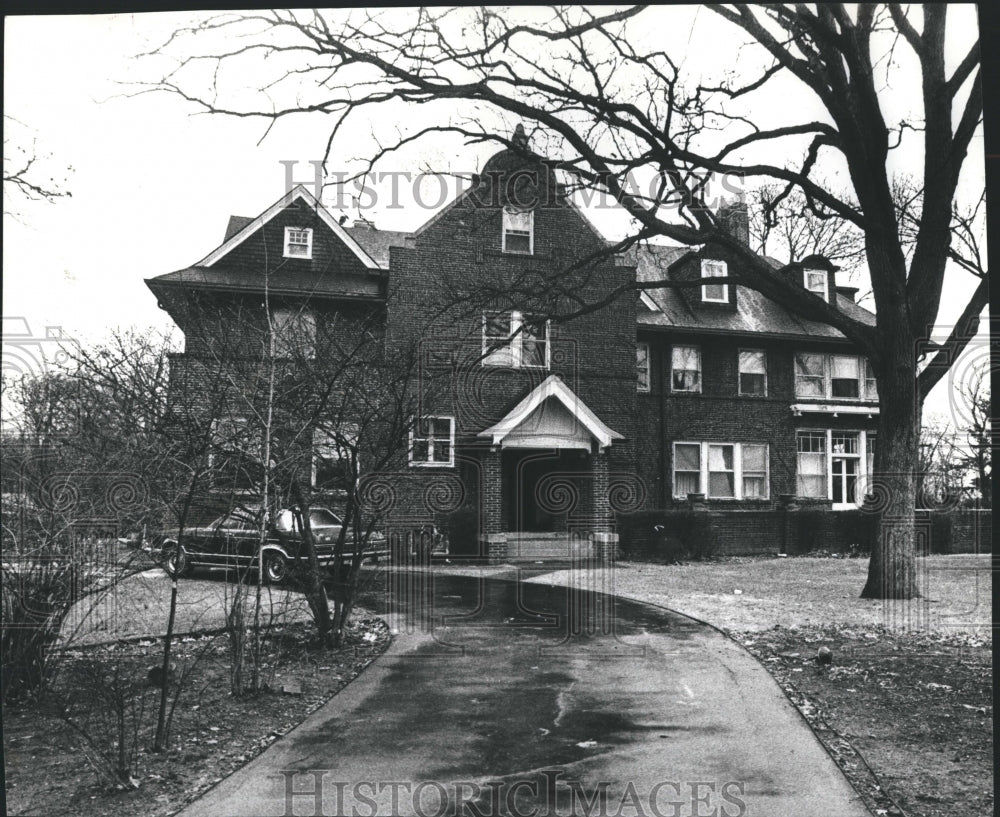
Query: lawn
904	707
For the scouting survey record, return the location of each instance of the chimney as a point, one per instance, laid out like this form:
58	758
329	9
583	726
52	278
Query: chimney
734	219
849	292
520	138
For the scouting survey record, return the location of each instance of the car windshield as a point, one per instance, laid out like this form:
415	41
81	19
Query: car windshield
318	518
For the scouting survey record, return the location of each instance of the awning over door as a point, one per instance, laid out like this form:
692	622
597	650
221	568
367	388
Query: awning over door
551	416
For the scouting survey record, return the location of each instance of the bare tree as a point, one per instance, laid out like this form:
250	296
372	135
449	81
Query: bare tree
614	111
26	173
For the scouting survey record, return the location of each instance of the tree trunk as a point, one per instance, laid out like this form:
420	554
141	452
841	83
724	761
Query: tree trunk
892	567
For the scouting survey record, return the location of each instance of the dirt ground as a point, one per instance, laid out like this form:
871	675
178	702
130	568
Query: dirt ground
50	767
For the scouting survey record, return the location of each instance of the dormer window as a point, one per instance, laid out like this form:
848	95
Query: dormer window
298	242
816	282
519	231
714	293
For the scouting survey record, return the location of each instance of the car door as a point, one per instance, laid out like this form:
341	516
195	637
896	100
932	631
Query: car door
242	538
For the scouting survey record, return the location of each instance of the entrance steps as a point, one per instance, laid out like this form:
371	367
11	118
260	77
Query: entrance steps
547	547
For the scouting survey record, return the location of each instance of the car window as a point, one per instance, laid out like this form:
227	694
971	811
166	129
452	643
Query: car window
285	520
320	517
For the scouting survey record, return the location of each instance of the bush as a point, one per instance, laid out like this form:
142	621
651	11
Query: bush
37	596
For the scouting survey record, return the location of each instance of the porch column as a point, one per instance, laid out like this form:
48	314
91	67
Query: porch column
494	545
605	542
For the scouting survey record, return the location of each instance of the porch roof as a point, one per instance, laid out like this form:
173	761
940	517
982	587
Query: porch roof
513	425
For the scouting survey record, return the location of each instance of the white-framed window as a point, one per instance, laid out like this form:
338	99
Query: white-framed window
816	281
432	442
332	455
845	377
721	470
753	372
714	293
835	464
812	472
294	332
515	340
298	242
685	368
518	231
642	366
687	469
871	384
834	377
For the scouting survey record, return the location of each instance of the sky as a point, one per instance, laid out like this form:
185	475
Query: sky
153	186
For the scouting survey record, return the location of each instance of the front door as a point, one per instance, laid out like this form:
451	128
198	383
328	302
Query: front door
541	489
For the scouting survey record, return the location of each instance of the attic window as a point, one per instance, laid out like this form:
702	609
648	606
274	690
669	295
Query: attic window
714	293
815	281
518	231
298	242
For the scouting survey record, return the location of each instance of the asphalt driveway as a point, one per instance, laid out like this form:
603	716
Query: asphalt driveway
498	697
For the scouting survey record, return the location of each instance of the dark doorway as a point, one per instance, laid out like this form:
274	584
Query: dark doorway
542	488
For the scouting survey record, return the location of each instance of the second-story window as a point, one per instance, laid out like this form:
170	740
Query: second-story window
816	281
294	333
298	242
518	231
837	377
714	293
845	373
685	369
642	366
516	340
753	372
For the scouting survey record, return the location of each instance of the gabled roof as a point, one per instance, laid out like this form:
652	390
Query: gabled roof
755	313
552	387
297	192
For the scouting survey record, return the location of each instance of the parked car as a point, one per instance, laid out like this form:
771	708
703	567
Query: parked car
234	539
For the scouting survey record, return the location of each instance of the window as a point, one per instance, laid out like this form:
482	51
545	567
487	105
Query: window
754	471
687	469
753	372
845	373
685	369
432	441
810	375
331	461
642	366
714	293
515	340
294	333
845	465
812	463
298	242
729	470
721	472
816	281
838	377
518	231
871	385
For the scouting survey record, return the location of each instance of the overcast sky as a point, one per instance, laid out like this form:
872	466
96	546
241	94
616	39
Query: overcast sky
153	187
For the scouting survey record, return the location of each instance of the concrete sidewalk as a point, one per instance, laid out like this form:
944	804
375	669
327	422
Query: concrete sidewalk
531	699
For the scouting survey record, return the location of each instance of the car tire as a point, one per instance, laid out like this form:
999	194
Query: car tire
275	567
177	564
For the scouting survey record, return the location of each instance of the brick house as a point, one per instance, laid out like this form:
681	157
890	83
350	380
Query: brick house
549	429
